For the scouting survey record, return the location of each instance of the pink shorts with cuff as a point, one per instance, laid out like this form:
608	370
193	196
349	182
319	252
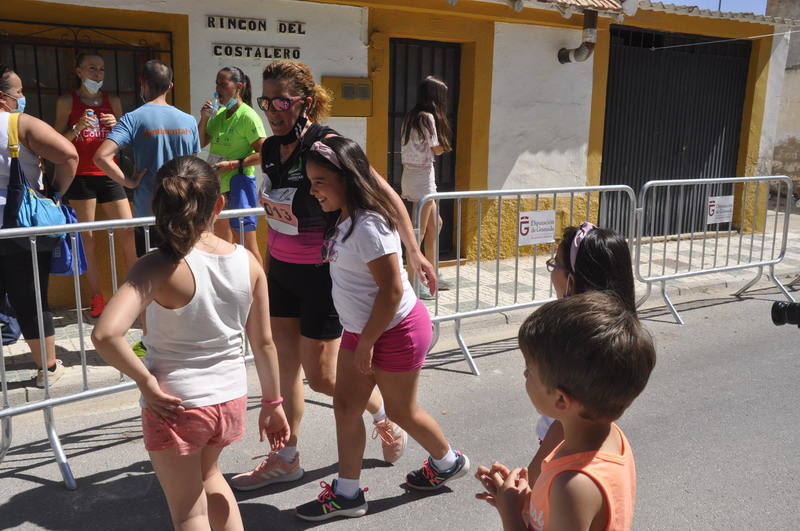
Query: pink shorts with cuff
402	348
217	426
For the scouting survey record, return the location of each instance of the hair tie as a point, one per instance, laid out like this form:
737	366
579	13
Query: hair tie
327	152
585	228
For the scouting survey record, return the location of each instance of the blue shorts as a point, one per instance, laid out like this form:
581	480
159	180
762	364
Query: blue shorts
243	195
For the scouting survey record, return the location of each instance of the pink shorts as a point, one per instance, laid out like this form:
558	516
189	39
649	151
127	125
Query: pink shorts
402	348
217	426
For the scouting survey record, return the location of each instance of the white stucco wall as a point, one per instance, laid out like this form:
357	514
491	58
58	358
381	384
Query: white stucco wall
539	129
334	53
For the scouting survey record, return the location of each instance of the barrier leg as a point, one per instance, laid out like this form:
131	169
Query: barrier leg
5	437
58	452
772	277
465	349
435	338
646	295
751	283
669	303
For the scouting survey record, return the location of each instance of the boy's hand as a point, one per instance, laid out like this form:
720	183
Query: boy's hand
511	494
273	426
485	476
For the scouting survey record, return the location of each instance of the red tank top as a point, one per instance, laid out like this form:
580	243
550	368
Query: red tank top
89	140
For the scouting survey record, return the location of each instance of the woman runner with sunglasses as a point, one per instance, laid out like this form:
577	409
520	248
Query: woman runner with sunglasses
305	324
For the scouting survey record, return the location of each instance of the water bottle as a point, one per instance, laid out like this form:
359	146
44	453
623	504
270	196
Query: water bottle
215	102
95	123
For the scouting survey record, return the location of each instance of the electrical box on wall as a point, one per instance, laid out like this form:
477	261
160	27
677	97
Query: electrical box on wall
352	96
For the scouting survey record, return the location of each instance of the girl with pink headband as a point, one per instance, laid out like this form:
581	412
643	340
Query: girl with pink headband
387	330
588	258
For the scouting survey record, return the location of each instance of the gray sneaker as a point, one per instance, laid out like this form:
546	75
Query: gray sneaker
443	284
425	293
52	376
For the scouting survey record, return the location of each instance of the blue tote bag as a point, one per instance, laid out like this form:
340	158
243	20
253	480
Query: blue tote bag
63	258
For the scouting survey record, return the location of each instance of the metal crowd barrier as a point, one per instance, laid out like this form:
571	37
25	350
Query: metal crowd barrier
526	282
47	404
701	226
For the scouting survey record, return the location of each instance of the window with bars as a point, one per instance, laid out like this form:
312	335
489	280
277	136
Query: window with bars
43	55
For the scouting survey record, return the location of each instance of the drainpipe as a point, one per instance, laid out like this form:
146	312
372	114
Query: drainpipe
584	51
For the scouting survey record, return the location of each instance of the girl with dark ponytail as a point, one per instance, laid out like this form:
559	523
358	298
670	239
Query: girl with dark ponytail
235	132
200	293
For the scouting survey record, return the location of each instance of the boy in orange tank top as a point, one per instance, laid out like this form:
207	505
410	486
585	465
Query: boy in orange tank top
587	358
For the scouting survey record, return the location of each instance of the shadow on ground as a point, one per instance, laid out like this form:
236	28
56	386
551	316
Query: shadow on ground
661	314
130	497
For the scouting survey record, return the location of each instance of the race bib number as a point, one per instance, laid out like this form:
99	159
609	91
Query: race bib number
278	206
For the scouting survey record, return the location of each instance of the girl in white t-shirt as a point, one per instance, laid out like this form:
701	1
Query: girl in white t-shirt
387	330
425	134
200	293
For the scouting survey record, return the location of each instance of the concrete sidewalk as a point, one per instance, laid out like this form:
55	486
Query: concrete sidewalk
493	283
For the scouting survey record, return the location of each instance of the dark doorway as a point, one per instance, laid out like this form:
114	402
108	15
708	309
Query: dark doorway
673	111
411	62
44	57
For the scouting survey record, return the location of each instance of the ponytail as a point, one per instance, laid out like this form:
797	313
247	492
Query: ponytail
237	75
183	203
602	263
321	106
301	83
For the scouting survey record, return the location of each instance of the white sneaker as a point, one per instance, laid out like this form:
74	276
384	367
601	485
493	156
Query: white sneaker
425	293
52	376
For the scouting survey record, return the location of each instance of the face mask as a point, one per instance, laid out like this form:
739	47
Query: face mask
20	103
233	102
296	131
92	86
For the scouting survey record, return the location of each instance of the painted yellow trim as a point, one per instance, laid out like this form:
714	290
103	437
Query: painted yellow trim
477	39
750	136
754	107
597	120
47	12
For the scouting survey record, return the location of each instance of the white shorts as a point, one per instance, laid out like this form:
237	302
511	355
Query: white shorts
417	182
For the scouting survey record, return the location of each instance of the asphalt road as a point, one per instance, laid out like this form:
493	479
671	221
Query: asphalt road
716	436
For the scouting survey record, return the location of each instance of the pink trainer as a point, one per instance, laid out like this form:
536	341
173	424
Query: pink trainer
272	470
393	439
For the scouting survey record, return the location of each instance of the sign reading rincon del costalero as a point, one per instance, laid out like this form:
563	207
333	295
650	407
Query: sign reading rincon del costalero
254	25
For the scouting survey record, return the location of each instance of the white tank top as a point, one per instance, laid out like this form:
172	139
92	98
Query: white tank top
196	352
28	160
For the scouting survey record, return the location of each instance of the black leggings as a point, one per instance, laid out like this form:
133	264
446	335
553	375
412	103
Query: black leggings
16	281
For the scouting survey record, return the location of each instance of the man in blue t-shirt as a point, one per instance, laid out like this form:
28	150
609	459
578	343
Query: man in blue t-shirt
157	132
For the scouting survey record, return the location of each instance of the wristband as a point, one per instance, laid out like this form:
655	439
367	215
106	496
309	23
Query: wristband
241	166
278	401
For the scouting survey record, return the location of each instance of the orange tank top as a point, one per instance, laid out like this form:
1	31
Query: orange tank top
614	474
87	142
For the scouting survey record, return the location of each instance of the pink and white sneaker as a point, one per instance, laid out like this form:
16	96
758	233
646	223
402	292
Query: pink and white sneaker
393	439
268	472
